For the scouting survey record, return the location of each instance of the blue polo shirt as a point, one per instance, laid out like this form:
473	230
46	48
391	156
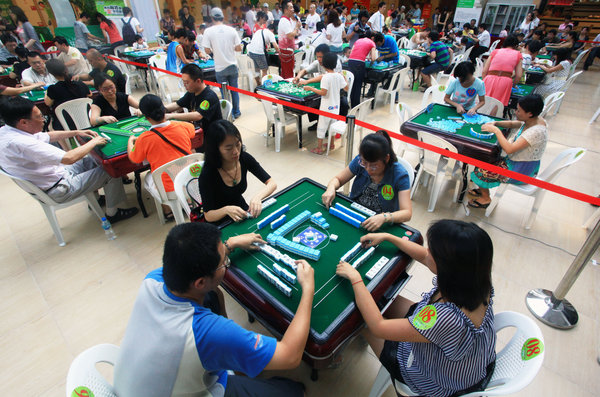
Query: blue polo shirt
395	180
389	47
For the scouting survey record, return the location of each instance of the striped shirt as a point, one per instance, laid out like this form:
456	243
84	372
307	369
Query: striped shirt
458	354
442	55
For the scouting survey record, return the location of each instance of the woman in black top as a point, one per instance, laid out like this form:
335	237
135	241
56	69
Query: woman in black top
187	20
110	105
64	90
224	176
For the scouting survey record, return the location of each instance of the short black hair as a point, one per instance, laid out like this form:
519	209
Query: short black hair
85	15
377	146
194	71
16	108
483	26
533	104
152	107
330	60
261	15
466	26
322	48
166	11
99	79
217	132
538	33
191	251
137	37
378	37
381	4
21	52
433	36
61	40
33	54
191	36
511	41
573	35
562	54
463	254
126	10
363	14
8	38
553	31
320	26
464	70
535	46
181	32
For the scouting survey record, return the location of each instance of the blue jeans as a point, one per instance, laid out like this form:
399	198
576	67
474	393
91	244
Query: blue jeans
229	75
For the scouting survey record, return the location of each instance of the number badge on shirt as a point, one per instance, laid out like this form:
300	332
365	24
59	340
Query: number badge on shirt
426	318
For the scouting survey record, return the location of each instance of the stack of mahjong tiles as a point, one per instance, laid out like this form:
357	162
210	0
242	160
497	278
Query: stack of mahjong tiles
354	251
276	281
277	238
135	127
347	215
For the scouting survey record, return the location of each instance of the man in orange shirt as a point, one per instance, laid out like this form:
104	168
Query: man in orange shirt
166	141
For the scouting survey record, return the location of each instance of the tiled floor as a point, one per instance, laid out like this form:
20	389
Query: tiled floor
55	302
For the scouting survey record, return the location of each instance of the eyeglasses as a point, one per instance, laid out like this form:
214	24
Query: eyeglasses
226	264
368	166
109	89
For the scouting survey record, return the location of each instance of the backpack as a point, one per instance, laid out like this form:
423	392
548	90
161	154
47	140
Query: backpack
128	32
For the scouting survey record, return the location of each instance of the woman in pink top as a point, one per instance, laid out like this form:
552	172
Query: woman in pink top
356	63
110	30
502	70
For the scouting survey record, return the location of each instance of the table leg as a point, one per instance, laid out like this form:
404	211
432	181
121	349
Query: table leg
137	181
465	184
314	374
300	132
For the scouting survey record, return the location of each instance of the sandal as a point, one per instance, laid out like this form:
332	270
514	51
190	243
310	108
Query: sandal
317	150
169	217
475	192
477	204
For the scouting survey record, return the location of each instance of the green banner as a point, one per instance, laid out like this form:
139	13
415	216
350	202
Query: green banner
111	8
465	4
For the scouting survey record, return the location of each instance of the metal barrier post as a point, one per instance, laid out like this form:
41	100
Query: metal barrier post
350	120
225	91
552	308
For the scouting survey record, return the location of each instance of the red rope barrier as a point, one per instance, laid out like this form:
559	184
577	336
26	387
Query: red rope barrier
462	158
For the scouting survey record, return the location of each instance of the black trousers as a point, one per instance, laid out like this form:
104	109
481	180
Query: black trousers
358	70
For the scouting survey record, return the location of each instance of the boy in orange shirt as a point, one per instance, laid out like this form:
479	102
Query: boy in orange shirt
170	140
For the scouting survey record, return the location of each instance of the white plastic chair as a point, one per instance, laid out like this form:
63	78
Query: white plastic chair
350	76
511	372
577	60
492	107
52	49
170	88
78	110
409	169
406	58
467	53
551	102
404	42
492	48
396	85
277	119
595	116
298	57
127	69
340	127
549	174
309	57
478	67
440	167
226	108
158	61
50	206
271	76
83	372
172	168
434	94
186	186
565	87
246	70
404	113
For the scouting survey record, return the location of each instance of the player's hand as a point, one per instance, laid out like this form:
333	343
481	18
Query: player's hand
460	109
306	276
255	207
489	127
472	112
76	78
246	241
99	141
295	80
86	133
328	197
108	119
236	213
302	82
379	59
137	112
308	88
348	272
372	239
39	85
373	223
133	139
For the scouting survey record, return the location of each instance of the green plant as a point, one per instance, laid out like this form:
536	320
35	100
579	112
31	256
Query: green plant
87	6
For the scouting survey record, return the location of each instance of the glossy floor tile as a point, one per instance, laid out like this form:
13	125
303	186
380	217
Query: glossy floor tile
57	301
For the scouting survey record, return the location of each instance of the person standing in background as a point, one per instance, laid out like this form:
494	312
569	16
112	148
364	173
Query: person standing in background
288	27
312	18
251	18
110	30
167	22
25	30
377	20
187	20
206	11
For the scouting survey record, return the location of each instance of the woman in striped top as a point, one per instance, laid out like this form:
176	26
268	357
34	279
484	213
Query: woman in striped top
446	342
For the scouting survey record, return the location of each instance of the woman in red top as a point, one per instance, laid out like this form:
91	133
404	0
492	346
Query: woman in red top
502	70
110	30
152	147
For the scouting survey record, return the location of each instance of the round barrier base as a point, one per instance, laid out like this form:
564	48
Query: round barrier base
558	314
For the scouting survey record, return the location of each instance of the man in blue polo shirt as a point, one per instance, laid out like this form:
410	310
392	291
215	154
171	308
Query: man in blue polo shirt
388	52
179	344
439	53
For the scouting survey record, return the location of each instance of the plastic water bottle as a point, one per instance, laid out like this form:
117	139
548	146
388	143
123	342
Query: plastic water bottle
108	230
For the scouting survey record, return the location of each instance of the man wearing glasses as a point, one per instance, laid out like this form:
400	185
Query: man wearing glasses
178	341
25	152
101	65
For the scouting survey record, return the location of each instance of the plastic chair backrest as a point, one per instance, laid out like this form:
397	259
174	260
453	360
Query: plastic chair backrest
30	188
170	87
551	101
83	372
431	160
570	81
226	108
406	59
478	67
77	110
409	169
52	49
468	53
268	107
172	168
161	41
159	61
127	86
561	162
494	45
298	57
404	112
350	76
405	43
577	60
273	77
492	107
434	94
186	184
119	49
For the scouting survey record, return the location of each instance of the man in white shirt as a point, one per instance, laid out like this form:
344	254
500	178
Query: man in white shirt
251	18
288	27
270	17
377	20
222	42
262	39
37	73
312	18
277	13
25	152
483	39
71	57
